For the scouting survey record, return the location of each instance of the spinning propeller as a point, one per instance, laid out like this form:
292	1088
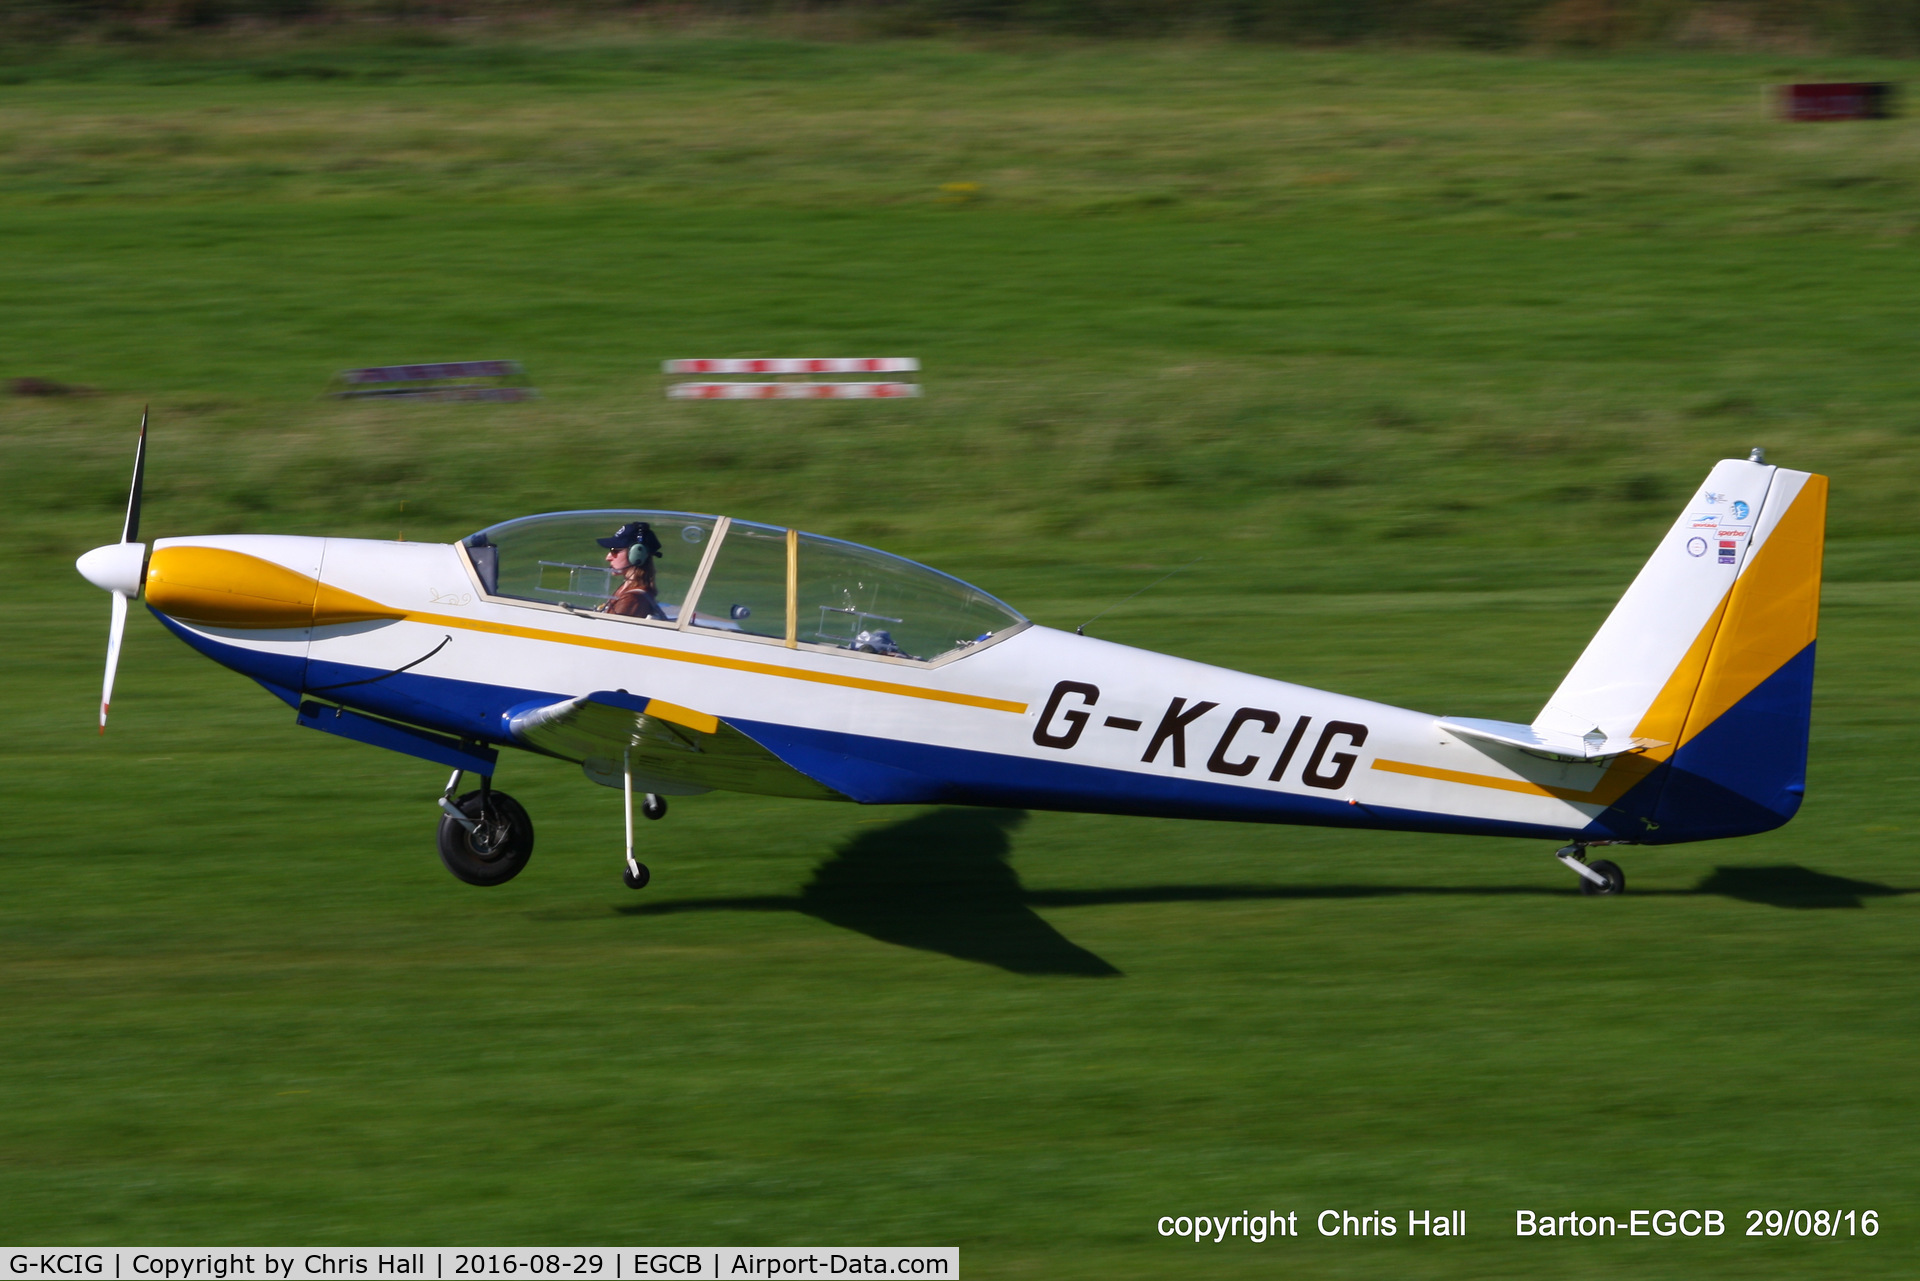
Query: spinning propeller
118	568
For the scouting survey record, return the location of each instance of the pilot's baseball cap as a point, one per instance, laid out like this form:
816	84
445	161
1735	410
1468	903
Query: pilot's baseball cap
632	533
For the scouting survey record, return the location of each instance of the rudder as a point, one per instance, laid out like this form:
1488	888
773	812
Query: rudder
1741	766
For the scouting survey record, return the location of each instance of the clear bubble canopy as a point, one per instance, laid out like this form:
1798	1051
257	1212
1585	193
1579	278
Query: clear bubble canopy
758	582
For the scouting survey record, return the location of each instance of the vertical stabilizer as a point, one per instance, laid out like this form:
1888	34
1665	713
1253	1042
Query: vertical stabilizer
1709	657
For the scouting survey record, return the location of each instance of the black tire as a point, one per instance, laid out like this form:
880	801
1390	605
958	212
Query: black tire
496	849
654	806
1616	879
633	881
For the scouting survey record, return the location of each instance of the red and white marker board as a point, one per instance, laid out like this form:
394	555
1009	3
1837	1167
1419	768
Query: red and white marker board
796	365
777	366
791	391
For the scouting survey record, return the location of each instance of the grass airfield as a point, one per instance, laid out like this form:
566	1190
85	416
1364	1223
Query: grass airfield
1418	352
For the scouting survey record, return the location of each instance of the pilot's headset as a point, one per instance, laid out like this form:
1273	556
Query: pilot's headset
635	534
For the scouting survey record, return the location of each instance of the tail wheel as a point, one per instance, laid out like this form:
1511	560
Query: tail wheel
1616	879
497	847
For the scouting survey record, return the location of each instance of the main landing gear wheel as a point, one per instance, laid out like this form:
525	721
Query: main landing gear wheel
495	848
636	877
1616	879
654	806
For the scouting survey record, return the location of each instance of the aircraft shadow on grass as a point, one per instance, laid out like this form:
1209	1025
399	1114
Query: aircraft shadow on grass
1790	885
940	882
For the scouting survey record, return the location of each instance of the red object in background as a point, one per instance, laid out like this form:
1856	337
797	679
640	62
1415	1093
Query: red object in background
1869	100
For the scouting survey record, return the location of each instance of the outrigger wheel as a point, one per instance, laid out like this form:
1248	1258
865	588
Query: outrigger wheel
494	842
635	874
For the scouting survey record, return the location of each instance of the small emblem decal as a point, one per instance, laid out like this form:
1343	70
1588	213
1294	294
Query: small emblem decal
1696	547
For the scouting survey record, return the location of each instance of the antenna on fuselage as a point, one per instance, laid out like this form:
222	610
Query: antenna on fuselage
1082	629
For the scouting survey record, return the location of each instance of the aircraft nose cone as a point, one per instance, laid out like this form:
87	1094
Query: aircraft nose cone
115	567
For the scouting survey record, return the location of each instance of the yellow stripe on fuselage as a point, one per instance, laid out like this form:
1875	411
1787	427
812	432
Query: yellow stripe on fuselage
1615	783
713	660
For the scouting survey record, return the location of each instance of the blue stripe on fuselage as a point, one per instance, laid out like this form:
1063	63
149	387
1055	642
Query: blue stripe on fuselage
275	671
880	771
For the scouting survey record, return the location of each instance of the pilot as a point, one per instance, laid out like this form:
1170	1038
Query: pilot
630	554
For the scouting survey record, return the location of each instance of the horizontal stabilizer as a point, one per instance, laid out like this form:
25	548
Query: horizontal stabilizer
1553	745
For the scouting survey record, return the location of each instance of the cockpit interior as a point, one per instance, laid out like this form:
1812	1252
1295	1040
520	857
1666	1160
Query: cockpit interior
755	582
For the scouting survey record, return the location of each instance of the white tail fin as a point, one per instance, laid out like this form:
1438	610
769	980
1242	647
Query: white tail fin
1671	607
1707	662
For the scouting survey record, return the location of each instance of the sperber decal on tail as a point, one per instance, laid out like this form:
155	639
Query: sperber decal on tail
672	653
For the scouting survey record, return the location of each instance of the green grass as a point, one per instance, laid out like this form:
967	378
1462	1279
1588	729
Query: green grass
1418	351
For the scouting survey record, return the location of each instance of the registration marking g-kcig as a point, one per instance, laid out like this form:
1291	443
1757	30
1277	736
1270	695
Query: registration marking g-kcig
1238	738
56	1263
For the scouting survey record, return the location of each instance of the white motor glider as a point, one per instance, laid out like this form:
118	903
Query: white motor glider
671	653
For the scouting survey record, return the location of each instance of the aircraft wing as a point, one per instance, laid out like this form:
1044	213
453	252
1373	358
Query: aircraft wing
675	750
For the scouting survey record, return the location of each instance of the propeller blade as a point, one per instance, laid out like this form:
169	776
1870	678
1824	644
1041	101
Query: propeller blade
105	568
130	533
115	633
